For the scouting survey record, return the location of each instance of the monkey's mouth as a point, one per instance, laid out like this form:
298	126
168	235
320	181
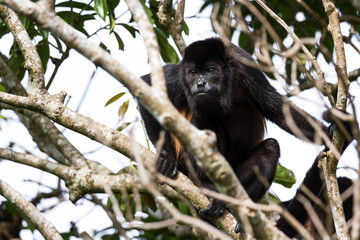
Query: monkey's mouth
203	93
204	97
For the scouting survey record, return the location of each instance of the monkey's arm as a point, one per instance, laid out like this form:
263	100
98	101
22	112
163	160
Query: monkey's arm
166	164
272	104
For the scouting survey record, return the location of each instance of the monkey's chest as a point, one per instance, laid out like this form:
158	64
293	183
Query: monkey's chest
241	132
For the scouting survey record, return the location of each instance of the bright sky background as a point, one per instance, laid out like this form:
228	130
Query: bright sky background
73	77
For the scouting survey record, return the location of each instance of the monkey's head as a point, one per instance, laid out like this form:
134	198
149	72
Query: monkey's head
206	76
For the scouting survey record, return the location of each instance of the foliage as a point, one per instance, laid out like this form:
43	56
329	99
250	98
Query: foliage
284	176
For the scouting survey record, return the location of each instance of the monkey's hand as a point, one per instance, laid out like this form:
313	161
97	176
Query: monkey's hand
215	209
344	126
166	164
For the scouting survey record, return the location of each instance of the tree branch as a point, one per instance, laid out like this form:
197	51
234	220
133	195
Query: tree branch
10	79
147	32
30	211
119	142
311	58
175	26
32	59
329	164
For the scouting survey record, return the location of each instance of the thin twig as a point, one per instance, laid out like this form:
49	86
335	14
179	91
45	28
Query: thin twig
319	72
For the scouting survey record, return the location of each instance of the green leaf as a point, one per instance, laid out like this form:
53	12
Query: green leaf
3	29
25	21
112	21
243	40
103	46
123	109
68	235
44	33
274	198
131	29
205	5
16	61
119	40
167	52
284	176
114	98
114	236
112	4
3	117
186	28
2	88
77	20
59	45
101	8
148	12
73	4
44	52
123	126
183	208
13	210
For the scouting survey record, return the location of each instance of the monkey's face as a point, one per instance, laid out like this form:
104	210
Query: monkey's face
204	83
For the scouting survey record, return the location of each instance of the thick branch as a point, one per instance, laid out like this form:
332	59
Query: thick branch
80	181
30	211
22	38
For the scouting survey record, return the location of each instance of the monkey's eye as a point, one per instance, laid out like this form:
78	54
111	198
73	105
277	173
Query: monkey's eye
211	69
193	72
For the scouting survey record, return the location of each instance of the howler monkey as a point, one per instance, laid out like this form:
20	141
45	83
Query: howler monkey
215	88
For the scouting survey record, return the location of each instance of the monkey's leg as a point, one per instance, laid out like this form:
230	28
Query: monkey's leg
259	168
166	164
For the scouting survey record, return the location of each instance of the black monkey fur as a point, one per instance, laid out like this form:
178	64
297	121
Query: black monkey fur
313	181
315	184
215	90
